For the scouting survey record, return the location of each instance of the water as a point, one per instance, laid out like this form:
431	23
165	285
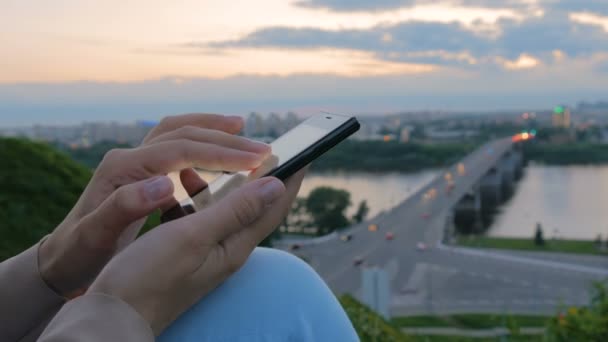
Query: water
569	202
382	191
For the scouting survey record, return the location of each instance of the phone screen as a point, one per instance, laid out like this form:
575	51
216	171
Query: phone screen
284	148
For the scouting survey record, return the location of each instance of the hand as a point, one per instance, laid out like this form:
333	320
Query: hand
130	184
170	268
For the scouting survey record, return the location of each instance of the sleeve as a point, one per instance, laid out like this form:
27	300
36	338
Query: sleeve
97	317
25	299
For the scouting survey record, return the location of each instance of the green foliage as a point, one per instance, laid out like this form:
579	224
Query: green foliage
326	206
562	246
361	213
91	156
38	187
369	325
389	156
471	321
567	154
582	324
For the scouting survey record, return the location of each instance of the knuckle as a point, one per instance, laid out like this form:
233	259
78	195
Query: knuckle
120	203
188	131
113	155
166	122
185	148
247	210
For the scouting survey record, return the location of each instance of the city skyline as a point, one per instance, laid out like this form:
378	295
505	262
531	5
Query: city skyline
142	60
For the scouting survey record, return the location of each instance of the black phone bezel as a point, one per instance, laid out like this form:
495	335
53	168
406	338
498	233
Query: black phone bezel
315	150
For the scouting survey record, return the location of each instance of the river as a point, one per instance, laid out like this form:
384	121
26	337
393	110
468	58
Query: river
568	201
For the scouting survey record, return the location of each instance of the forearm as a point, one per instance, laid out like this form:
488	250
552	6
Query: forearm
26	302
97	317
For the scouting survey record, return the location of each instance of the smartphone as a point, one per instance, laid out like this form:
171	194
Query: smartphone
290	152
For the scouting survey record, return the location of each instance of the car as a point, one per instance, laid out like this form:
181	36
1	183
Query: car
421	246
389	236
295	246
372	227
357	261
346	237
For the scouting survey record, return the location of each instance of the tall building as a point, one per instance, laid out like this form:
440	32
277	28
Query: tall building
561	117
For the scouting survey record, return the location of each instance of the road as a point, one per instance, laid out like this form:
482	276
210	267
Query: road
443	279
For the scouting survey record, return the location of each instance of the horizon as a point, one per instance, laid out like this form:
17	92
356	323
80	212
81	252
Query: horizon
91	62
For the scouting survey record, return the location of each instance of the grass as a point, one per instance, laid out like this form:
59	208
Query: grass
443	338
372	327
562	246
470	321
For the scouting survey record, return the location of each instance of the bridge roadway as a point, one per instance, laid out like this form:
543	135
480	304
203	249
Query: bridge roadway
444	279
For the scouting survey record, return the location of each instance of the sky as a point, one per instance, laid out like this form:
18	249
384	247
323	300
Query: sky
69	61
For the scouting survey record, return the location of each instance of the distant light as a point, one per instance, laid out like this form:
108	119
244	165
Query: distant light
525	136
148	123
558	110
525	116
387	138
533	132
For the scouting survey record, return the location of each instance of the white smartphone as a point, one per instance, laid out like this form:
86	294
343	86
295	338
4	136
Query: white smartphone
290	152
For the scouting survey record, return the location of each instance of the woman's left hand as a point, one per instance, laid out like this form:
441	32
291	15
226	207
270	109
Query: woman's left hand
130	184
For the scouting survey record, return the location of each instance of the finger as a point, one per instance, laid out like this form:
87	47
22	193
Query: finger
124	206
193	184
215	137
235	212
191	181
232	252
228	124
247	239
169	156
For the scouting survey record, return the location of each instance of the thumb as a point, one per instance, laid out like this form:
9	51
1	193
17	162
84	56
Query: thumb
237	211
126	205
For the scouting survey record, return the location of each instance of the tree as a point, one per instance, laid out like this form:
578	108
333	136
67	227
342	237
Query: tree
298	217
539	240
39	186
326	206
361	213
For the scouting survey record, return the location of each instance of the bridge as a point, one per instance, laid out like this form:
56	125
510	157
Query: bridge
447	279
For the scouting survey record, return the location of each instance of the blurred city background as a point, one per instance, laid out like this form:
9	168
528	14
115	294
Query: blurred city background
470	206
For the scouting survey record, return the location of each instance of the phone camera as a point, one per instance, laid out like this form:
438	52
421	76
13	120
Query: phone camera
328	117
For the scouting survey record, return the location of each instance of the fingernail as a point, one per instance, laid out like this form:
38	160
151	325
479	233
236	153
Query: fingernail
260	147
271	191
157	188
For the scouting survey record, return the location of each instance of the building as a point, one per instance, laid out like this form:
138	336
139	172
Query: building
405	135
561	117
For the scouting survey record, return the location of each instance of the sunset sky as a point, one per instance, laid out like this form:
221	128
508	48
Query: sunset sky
69	61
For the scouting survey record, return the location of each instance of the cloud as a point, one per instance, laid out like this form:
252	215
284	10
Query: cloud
382	5
442	43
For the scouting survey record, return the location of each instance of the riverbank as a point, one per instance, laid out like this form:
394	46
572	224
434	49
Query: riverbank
520	244
567	154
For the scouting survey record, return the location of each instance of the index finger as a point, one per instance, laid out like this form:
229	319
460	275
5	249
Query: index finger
228	124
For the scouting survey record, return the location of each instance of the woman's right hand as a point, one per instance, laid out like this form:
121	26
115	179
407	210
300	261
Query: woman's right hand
173	266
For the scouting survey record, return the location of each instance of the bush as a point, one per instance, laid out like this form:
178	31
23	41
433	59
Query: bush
582	324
